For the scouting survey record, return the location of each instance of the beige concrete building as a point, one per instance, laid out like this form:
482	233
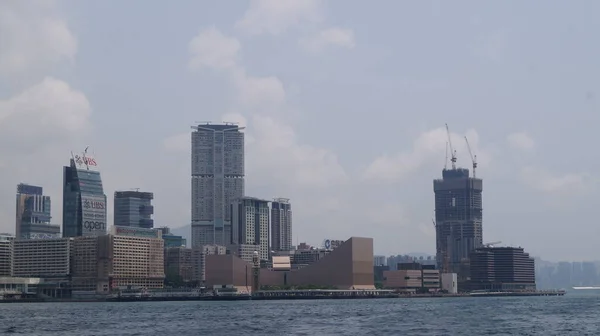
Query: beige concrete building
42	258
412	280
126	257
6	254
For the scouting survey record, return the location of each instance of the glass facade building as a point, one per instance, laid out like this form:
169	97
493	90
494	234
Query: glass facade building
84	201
134	209
33	214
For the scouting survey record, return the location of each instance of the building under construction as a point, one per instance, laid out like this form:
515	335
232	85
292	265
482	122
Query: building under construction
458	217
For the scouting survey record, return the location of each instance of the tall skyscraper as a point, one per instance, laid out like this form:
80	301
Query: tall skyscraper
217	180
458	219
134	208
250	225
281	225
84	201
34	214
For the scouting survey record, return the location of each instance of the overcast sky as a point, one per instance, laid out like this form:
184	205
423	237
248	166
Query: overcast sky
344	102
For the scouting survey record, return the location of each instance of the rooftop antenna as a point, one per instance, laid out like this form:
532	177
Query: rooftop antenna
473	157
86	149
452	151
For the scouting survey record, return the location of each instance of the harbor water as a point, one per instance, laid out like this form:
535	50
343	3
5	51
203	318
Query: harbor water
574	314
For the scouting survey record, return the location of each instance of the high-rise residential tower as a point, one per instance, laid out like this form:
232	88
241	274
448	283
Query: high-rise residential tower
217	180
134	209
281	225
458	219
250	226
34	214
84	201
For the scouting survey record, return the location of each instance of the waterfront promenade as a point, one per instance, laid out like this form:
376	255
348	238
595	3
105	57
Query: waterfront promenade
308	294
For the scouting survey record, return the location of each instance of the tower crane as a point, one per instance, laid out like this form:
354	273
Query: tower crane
446	160
473	157
452	151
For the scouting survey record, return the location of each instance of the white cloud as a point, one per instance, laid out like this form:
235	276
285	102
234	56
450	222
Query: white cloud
542	180
210	48
338	37
278	158
37	128
178	143
40	122
276	17
40	113
33	37
428	148
259	91
521	140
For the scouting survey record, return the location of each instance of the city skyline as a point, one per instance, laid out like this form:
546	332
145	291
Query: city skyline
342	112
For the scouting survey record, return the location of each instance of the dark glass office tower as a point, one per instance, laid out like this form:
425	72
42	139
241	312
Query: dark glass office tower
33	217
84	201
134	208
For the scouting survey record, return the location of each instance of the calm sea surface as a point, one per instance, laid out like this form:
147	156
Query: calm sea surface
573	314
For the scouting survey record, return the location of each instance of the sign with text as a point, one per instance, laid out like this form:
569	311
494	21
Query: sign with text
93	215
85	161
136	232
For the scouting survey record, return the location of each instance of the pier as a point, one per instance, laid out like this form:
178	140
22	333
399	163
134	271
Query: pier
309	294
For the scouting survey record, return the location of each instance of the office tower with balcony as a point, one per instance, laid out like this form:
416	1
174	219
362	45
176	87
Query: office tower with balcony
281	225
217	180
134	209
33	217
84	201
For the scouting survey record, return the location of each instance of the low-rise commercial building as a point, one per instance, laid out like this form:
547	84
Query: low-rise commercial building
502	268
6	254
42	258
187	265
127	257
349	266
449	283
412	277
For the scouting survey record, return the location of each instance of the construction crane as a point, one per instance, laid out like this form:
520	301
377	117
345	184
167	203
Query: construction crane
452	151
446	160
492	244
473	157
